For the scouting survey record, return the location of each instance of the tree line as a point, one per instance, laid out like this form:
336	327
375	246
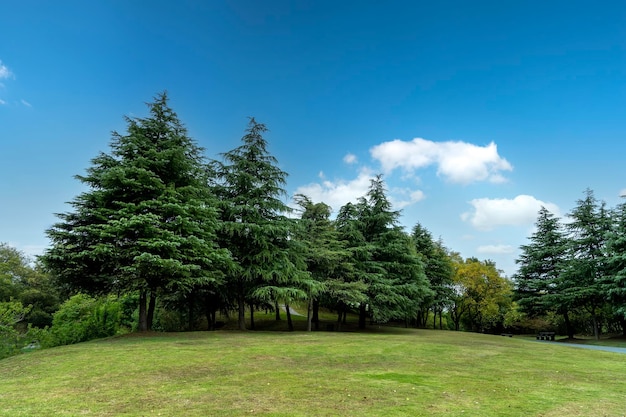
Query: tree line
572	273
163	232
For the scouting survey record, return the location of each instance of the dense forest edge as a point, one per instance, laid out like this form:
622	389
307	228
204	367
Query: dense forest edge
165	239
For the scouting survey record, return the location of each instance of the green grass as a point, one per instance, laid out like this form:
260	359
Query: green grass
384	372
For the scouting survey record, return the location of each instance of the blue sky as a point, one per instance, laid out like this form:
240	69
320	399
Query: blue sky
477	113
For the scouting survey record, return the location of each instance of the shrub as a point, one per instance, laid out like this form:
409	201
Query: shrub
83	318
11	339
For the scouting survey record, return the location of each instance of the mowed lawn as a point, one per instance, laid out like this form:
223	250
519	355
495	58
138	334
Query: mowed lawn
383	372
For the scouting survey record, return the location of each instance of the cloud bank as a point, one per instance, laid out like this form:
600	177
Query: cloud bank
457	162
491	213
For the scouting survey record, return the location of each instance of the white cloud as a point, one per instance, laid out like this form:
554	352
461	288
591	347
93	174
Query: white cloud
622	192
490	213
2	102
26	103
406	198
338	193
5	72
457	162
350	159
496	249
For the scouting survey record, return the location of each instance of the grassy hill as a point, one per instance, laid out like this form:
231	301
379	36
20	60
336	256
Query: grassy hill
384	372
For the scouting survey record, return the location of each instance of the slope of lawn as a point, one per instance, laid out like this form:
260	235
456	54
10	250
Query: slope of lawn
385	371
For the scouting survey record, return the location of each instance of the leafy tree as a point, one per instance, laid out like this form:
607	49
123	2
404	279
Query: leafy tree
13	272
586	265
25	281
147	222
483	296
11	314
255	228
539	287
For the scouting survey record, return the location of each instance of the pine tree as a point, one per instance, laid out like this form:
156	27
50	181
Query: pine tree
539	285
327	259
386	259
586	265
439	272
255	227
147	222
614	283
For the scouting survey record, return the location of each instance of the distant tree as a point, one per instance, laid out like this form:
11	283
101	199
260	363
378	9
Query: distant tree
327	259
13	271
482	297
147	221
386	258
25	281
614	283
255	227
12	313
539	285
586	265
360	270
439	271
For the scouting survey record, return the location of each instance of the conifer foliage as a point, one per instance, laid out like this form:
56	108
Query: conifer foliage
147	221
255	227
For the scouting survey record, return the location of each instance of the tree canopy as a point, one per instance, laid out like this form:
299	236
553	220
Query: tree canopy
147	221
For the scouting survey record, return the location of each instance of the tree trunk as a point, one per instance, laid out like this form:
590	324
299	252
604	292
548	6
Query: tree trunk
316	315
151	308
596	326
277	310
191	322
309	315
289	321
568	325
340	308
440	320
210	316
241	304
435	318
143	312
362	316
251	316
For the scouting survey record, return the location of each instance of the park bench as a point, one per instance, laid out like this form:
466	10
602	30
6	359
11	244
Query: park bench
546	336
507	334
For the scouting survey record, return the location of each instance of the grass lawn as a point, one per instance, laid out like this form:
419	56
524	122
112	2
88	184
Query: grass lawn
384	372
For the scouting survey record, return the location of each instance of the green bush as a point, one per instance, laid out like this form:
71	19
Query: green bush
83	318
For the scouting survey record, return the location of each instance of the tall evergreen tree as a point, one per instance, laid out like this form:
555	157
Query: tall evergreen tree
147	221
327	259
539	287
586	266
439	271
255	227
388	262
614	283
